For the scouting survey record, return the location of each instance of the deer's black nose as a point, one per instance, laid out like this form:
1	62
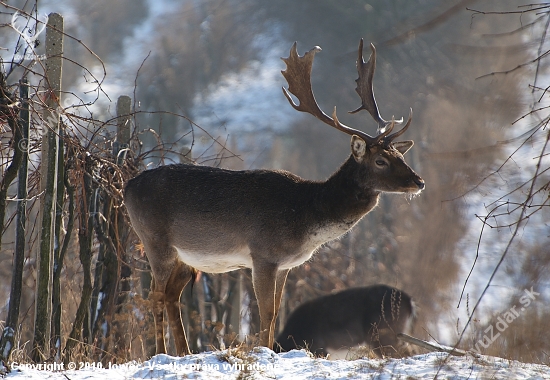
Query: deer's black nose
420	183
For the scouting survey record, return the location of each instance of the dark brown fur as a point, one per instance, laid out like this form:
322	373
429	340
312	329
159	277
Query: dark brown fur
370	316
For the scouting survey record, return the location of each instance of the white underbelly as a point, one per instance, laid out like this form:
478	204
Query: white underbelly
241	258
216	262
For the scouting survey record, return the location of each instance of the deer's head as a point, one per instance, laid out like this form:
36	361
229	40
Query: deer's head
383	168
380	157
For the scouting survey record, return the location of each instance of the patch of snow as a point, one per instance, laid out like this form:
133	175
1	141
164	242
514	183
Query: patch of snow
262	363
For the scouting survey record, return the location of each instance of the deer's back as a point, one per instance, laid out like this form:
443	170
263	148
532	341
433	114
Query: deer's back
195	193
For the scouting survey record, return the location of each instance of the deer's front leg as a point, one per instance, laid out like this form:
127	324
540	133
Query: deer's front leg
264	276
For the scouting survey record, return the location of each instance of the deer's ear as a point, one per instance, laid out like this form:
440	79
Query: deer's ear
358	148
403	146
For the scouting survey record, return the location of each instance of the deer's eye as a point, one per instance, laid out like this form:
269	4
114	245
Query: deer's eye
381	162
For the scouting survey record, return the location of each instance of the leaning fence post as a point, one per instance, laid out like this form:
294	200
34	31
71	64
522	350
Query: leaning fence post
48	184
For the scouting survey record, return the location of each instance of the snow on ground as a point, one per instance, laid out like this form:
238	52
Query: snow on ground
262	363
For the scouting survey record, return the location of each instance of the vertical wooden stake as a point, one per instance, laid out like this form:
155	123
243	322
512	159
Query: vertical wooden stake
123	110
48	183
7	340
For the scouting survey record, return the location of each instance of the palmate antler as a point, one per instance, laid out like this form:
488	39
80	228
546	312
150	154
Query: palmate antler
298	76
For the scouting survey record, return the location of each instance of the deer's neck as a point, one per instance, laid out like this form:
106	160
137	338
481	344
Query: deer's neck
343	197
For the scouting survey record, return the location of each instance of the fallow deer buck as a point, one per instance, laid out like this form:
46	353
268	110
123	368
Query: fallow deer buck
193	217
371	315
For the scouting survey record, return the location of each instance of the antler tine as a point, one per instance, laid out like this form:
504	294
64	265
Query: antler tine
298	77
390	138
366	93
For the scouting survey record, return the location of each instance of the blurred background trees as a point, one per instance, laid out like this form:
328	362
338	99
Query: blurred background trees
205	81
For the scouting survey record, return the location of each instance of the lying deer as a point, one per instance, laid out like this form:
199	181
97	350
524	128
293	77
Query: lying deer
370	316
193	217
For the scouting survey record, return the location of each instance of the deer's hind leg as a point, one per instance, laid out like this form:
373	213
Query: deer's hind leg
157	298
170	276
181	275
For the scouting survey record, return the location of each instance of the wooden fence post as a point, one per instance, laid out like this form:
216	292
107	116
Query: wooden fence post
48	183
7	341
123	110
112	273
120	228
